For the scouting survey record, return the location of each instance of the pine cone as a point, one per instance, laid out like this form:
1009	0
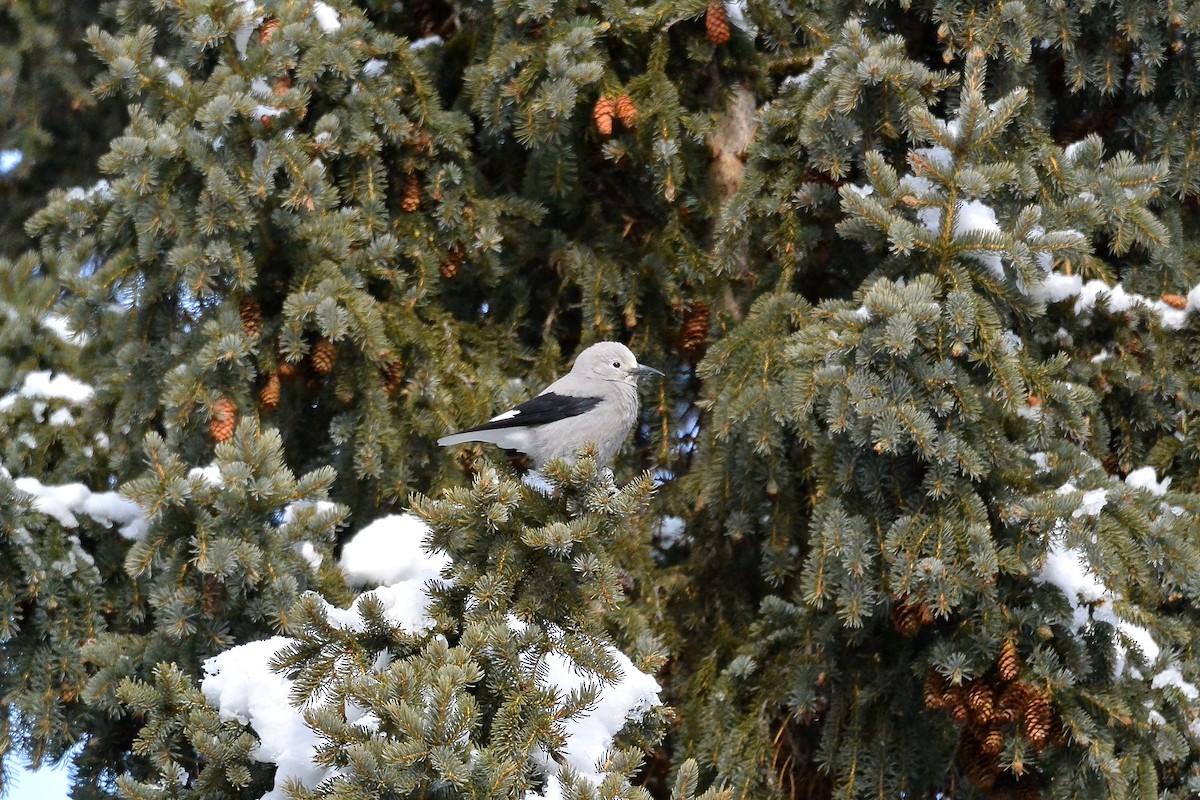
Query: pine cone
392	372
223	419
982	775
981	768
269	394
603	113
286	369
251	314
695	328
960	712
716	23
627	111
936	688
1012	702
1037	721
1008	663
992	742
412	195
982	701
267	30
324	356
1175	301
450	266
908	617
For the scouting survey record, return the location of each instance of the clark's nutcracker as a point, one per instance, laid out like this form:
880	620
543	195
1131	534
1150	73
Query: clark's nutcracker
596	402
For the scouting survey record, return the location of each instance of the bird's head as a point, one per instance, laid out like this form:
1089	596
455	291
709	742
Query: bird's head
612	361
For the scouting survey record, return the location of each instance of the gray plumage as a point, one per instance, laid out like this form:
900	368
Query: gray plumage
596	402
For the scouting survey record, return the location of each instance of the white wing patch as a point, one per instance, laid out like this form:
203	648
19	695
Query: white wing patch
506	415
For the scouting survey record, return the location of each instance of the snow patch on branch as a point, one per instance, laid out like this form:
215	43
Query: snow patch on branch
43	385
63	502
327	17
389	551
243	687
251	19
1092	601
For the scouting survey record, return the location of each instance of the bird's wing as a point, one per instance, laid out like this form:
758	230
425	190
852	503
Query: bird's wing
547	407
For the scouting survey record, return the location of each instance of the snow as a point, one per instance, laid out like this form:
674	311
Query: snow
310	555
389	551
100	187
970	216
372	68
590	735
672	532
1092	503
426	41
242	686
327	17
801	80
251	18
64	501
43	385
210	475
60	327
61	417
1171	676
1071	151
1068	569
1145	478
10	160
1057	287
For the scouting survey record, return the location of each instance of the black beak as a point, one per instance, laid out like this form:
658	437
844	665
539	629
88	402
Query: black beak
641	372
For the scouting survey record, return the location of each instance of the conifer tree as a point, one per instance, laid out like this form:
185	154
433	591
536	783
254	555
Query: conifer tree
924	509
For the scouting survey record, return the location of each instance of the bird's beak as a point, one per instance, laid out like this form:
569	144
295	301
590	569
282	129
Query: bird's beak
641	372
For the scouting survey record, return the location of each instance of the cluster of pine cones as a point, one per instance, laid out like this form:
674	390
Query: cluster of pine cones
320	362
990	711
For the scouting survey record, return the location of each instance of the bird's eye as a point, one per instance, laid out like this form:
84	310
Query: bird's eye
617	364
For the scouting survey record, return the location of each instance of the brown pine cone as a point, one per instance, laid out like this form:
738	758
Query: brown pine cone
251	314
908	618
222	420
450	266
1175	301
268	29
412	195
936	687
694	335
981	768
1008	663
716	23
269	394
287	369
960	712
602	114
324	356
982	702
992	742
627	111
1037	721
392	372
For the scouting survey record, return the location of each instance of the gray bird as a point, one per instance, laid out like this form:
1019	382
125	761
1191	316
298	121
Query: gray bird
596	402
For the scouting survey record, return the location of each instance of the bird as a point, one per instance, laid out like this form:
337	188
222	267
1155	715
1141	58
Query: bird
596	402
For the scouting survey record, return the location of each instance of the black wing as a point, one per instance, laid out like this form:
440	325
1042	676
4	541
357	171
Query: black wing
540	410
